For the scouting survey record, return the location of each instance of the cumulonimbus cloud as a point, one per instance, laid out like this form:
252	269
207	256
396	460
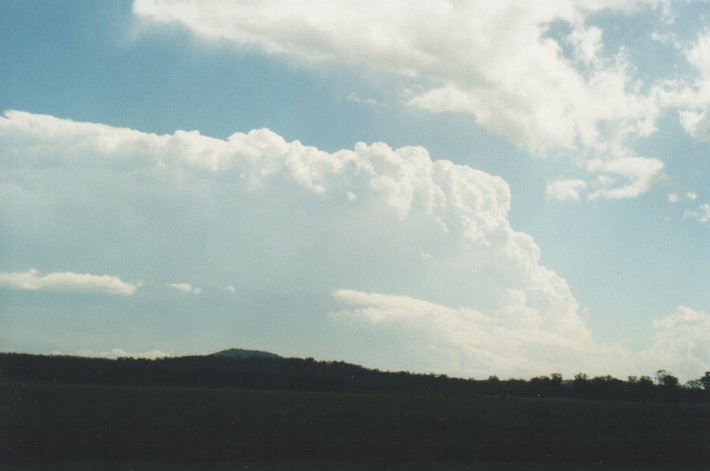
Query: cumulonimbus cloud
409	245
33	280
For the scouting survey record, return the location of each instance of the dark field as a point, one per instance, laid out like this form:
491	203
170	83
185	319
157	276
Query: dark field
153	427
300	466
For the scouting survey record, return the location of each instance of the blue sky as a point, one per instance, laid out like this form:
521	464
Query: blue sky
464	188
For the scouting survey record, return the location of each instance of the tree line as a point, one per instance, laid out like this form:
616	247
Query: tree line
298	374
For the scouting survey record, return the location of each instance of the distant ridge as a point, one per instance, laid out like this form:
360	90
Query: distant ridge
242	353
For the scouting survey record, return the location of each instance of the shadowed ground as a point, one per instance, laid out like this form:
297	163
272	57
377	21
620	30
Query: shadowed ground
204	428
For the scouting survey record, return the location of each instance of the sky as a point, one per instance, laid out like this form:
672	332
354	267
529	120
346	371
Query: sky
473	188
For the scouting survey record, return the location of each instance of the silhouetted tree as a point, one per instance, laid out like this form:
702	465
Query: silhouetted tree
334	376
705	380
606	388
664	378
668	385
547	386
640	389
580	386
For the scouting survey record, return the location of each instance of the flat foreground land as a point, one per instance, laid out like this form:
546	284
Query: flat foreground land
104	466
75	424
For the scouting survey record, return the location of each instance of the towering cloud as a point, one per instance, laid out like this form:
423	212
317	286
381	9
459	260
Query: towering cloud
406	254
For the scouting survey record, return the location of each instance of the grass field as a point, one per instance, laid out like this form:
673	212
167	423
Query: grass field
334	466
71	424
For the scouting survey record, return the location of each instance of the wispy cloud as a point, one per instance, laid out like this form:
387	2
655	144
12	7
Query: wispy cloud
700	214
33	280
637	175
355	98
185	288
695	97
677	198
494	61
564	190
491	60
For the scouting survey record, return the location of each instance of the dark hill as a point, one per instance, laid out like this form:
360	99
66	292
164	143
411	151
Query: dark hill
249	369
242	353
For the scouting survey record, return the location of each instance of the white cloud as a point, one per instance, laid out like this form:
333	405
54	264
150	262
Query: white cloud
563	190
230	289
681	343
699	54
521	337
693	98
490	59
355	98
667	39
668	16
33	280
674	197
638	174
618	177
689	120
587	42
184	287
276	219
700	214
518	339
696	123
